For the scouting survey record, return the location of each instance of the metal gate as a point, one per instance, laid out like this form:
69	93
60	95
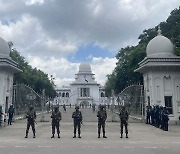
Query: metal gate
24	96
133	98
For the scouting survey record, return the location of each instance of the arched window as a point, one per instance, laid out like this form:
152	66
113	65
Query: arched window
102	94
67	94
63	94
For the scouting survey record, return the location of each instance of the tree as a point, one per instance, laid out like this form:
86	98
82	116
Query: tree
35	78
129	57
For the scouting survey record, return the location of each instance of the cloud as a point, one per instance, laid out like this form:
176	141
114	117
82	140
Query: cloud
33	2
64	71
101	67
29	38
49	32
108	24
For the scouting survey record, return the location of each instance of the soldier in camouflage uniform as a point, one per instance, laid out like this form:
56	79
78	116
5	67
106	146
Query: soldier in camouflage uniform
56	118
102	116
31	116
77	116
124	116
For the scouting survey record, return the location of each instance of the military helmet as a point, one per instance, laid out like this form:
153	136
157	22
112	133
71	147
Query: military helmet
101	106
56	106
31	107
104	106
76	107
123	107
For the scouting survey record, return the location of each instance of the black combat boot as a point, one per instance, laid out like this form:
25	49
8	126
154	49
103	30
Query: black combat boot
127	136
98	135
74	136
104	136
79	136
34	135
58	135
52	136
121	136
26	135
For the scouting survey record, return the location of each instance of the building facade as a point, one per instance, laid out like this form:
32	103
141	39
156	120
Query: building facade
8	68
161	72
83	91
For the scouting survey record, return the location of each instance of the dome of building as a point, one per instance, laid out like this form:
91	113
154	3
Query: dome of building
160	46
4	48
84	68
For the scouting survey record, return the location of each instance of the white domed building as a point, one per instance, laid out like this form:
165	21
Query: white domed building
8	68
83	91
161	72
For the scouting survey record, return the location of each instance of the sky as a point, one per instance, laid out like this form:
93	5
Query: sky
55	36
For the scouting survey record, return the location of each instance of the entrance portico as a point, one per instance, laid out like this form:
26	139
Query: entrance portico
161	72
8	68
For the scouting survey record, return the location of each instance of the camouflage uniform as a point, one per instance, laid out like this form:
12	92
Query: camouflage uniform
77	116
102	116
56	117
31	116
124	115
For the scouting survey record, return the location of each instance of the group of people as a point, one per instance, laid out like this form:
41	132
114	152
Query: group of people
157	116
77	119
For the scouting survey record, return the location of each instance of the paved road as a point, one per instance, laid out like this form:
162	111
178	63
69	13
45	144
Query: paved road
144	139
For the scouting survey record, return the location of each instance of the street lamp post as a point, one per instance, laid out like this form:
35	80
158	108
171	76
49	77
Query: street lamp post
113	114
118	100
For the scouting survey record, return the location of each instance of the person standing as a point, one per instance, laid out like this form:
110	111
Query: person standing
31	116
64	107
10	114
77	116
93	107
56	118
165	119
102	116
124	116
148	114
1	114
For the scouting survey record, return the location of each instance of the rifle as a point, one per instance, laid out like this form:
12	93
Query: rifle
82	123
35	122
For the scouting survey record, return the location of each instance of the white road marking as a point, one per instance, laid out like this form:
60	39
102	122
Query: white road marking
133	142
150	147
176	142
44	146
128	147
107	147
20	146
